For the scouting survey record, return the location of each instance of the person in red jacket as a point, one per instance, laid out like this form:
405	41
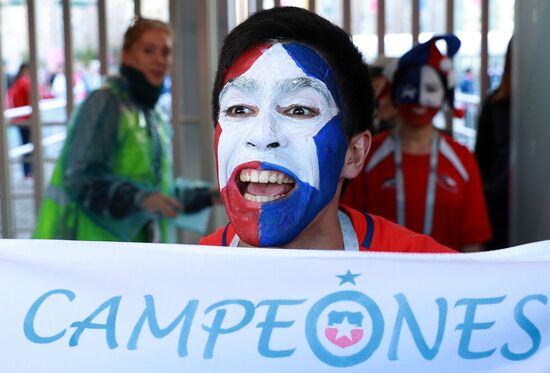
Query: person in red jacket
19	94
417	175
292	106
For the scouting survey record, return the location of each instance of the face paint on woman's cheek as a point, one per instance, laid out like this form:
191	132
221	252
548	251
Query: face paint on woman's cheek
313	160
416	115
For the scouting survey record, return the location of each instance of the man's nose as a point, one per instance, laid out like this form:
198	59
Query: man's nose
266	135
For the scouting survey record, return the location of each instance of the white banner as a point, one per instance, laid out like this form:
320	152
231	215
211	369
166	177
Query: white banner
119	307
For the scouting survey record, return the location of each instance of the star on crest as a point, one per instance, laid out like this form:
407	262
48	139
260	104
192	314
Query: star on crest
348	277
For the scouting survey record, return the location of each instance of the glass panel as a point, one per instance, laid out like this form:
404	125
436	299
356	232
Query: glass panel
157	9
85	47
297	3
331	10
501	27
268	4
432	18
467	64
364	27
398	38
119	17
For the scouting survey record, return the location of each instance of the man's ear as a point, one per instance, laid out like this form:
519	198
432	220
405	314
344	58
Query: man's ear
356	154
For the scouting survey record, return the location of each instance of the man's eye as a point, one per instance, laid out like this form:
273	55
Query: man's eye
239	110
300	111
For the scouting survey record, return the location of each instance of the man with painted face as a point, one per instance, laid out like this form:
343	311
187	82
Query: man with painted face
292	106
416	175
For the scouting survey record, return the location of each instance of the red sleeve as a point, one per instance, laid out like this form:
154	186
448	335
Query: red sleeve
217	238
213	239
476	227
392	237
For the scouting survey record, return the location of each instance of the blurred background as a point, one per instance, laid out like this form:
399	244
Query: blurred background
71	45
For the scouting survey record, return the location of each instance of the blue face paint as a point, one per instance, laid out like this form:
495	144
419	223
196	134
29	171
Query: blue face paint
298	210
282	221
407	89
314	66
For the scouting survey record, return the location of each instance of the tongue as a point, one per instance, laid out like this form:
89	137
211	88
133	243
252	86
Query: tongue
259	189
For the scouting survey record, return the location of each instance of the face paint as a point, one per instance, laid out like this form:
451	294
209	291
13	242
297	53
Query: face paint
420	95
280	143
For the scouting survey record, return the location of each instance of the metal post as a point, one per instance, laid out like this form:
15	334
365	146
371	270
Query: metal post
347	16
415	21
311	6
102	28
277	3
137	8
483	76
36	127
381	26
450	24
449	28
67	32
5	182
176	90
207	35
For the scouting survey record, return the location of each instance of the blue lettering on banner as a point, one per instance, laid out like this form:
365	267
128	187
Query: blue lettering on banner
469	325
526	325
270	323
110	304
216	329
28	324
405	313
149	315
333	324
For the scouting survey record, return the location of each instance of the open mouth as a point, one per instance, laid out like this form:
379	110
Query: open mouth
419	110
264	185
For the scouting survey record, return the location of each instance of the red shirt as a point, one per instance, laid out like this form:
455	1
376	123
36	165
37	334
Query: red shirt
20	95
373	234
460	214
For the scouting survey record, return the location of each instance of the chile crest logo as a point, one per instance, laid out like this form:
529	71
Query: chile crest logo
344	328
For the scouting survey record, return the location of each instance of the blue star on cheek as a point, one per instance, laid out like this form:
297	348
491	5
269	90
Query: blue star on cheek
408	92
348	277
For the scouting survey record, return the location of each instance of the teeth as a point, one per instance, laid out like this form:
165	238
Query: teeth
273	178
264	177
245	177
260	199
254	176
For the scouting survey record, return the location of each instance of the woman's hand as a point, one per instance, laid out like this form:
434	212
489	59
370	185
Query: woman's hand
159	203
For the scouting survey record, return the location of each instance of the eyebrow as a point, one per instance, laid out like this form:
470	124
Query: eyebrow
297	84
247	85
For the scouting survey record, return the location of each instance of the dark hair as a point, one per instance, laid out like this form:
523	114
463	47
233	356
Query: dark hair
290	24
139	26
24	66
504	90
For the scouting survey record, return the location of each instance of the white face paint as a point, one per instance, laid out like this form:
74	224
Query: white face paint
271	114
432	93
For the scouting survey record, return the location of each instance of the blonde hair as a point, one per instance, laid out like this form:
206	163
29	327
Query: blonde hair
139	26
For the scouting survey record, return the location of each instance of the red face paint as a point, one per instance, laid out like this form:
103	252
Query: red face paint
416	115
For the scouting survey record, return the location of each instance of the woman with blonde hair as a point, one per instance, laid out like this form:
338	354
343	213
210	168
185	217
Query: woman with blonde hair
114	180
